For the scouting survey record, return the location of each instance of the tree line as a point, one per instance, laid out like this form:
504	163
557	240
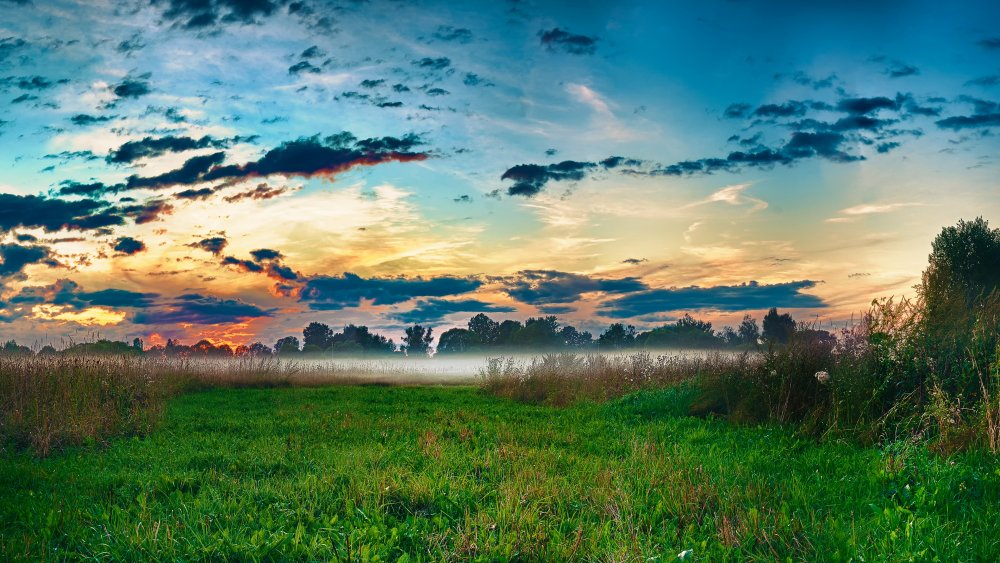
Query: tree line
482	334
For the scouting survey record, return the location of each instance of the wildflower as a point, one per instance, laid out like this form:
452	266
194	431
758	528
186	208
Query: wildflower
685	554
774	373
822	376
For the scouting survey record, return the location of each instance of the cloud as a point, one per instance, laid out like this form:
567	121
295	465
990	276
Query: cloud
243	265
989	80
328	293
557	39
259	193
202	193
741	297
899	70
453	34
433	310
542	287
150	147
732	195
262	254
83	119
194	308
53	214
864	106
215	245
132	88
989	43
978	120
429	63
65	292
15	257
529	179
128	246
306	157
205	14
869	208
147	212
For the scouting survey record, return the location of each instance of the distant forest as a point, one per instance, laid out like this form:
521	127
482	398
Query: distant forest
481	335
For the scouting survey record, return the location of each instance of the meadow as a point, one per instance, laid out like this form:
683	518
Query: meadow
389	473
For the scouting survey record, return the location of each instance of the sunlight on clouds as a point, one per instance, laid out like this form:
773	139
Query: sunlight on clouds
91	316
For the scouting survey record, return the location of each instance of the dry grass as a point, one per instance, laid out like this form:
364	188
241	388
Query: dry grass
47	402
562	379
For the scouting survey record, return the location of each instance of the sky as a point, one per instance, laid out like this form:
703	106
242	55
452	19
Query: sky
236	169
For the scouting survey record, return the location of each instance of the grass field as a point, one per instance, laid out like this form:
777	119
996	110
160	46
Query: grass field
433	473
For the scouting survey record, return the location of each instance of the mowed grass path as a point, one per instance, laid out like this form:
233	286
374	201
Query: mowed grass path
410	473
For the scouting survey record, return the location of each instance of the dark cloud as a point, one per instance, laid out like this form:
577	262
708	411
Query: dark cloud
203	193
529	179
561	40
262	254
194	308
150	147
260	193
389	104
455	34
433	310
132	88
190	172
751	295
23	98
545	287
69	187
429	63
369	83
36	83
863	106
52	214
985	114
306	157
15	257
437	92
83	119
737	110
68	293
634	261
242	265
215	245
473	79
989	43
899	70
147	212
990	80
312	53
400	88
200	15
129	246
327	293
303	66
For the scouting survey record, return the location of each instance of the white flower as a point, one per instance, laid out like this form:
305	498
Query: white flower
822	376
685	554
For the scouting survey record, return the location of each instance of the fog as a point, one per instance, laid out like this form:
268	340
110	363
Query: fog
461	369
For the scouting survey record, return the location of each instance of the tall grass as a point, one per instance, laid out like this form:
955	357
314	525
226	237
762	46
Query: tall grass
562	379
47	402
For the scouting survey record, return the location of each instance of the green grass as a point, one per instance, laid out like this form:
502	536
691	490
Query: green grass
390	473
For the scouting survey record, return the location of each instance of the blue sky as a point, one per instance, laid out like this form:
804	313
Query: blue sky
769	153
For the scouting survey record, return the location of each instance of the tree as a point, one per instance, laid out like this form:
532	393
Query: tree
538	332
417	341
457	341
259	349
485	328
506	332
617	336
573	338
316	337
748	334
137	343
963	268
778	328
287	346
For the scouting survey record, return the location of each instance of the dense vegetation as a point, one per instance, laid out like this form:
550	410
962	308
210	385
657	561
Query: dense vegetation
375	473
